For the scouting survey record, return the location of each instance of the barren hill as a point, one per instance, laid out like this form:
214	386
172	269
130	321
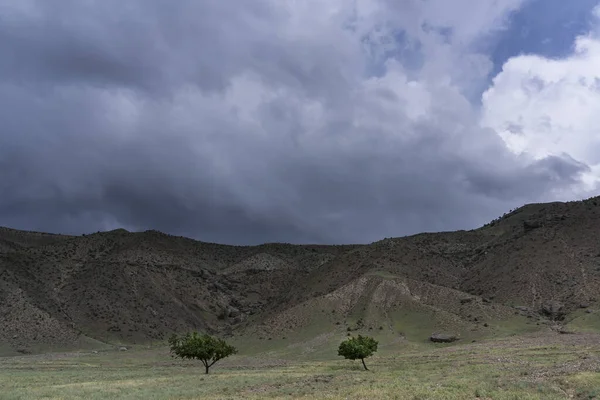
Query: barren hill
539	262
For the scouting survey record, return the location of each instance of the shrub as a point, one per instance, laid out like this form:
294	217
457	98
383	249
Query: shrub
203	347
358	348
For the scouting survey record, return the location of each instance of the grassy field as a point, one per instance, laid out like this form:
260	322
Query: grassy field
534	366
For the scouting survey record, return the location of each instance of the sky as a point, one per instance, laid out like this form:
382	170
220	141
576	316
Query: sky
300	121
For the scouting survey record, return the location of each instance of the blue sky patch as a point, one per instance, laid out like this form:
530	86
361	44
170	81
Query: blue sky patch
543	27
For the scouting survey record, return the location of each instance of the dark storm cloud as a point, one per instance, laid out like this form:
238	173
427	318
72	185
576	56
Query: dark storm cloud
143	44
239	124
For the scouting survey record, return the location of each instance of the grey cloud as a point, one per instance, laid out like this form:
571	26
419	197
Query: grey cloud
237	125
143	44
159	45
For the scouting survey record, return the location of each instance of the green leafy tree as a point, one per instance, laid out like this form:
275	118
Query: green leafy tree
203	347
358	348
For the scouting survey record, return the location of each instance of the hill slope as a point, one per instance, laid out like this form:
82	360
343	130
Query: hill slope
117	286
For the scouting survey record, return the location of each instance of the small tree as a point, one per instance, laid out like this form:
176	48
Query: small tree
358	348
203	347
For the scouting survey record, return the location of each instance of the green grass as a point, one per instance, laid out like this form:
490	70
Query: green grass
513	326
552	367
584	322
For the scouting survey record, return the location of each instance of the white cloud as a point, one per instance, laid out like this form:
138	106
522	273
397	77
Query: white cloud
550	107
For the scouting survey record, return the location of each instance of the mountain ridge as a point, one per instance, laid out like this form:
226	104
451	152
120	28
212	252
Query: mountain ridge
126	287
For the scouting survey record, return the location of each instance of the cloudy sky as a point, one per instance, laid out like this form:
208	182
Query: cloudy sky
334	121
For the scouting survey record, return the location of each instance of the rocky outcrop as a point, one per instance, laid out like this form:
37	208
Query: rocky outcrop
554	310
443	338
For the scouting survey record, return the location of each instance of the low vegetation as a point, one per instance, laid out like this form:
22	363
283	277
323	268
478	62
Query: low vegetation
534	367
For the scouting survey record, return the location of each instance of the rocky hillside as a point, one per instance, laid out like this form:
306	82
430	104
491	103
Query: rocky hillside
133	287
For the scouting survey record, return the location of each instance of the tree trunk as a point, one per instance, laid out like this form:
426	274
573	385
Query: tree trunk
364	365
206	366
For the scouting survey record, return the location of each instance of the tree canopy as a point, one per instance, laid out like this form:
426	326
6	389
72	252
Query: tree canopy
201	347
358	348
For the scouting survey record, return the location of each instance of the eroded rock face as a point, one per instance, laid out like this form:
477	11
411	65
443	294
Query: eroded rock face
443	338
531	225
554	310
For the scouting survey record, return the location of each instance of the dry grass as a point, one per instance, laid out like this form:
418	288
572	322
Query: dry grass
544	366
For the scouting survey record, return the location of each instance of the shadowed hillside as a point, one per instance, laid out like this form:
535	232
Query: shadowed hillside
538	263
